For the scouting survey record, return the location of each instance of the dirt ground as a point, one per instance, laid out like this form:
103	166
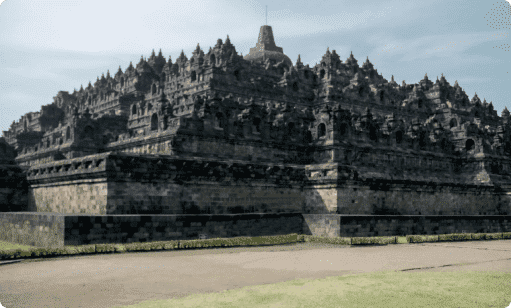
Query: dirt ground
112	280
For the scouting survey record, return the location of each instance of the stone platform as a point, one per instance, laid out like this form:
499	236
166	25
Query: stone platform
120	198
57	230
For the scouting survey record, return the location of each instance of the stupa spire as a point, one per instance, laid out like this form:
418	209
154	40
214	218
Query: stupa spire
299	61
267	49
505	112
266	40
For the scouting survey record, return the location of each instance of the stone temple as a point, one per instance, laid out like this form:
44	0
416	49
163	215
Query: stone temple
228	145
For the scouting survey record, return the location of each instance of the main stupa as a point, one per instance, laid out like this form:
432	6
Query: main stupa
267	49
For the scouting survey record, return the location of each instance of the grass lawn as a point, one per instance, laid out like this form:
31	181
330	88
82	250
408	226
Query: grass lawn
381	289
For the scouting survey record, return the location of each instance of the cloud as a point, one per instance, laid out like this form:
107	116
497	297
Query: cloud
14	104
444	46
18	96
469	80
38	73
116	27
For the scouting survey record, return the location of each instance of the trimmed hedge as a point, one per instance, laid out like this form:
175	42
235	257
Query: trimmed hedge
454	237
326	240
240	241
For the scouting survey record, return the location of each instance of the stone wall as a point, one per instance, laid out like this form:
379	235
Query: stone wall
56	230
206	198
402	225
128	184
329	225
324	225
135	186
34	229
13	189
421	199
131	184
100	197
357	198
320	199
71	197
254	148
13	182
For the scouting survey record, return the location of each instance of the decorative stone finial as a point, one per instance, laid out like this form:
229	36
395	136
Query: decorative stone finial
351	59
182	57
505	112
299	61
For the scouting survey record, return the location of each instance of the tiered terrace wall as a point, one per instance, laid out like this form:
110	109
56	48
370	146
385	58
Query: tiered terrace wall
104	198
133	184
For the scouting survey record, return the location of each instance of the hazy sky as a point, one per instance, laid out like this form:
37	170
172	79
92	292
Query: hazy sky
51	46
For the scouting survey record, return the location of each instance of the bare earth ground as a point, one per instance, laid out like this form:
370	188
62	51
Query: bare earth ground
112	280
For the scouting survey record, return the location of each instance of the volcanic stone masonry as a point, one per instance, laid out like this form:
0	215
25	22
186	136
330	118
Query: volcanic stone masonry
222	133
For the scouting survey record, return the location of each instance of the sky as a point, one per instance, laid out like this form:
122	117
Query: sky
51	46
